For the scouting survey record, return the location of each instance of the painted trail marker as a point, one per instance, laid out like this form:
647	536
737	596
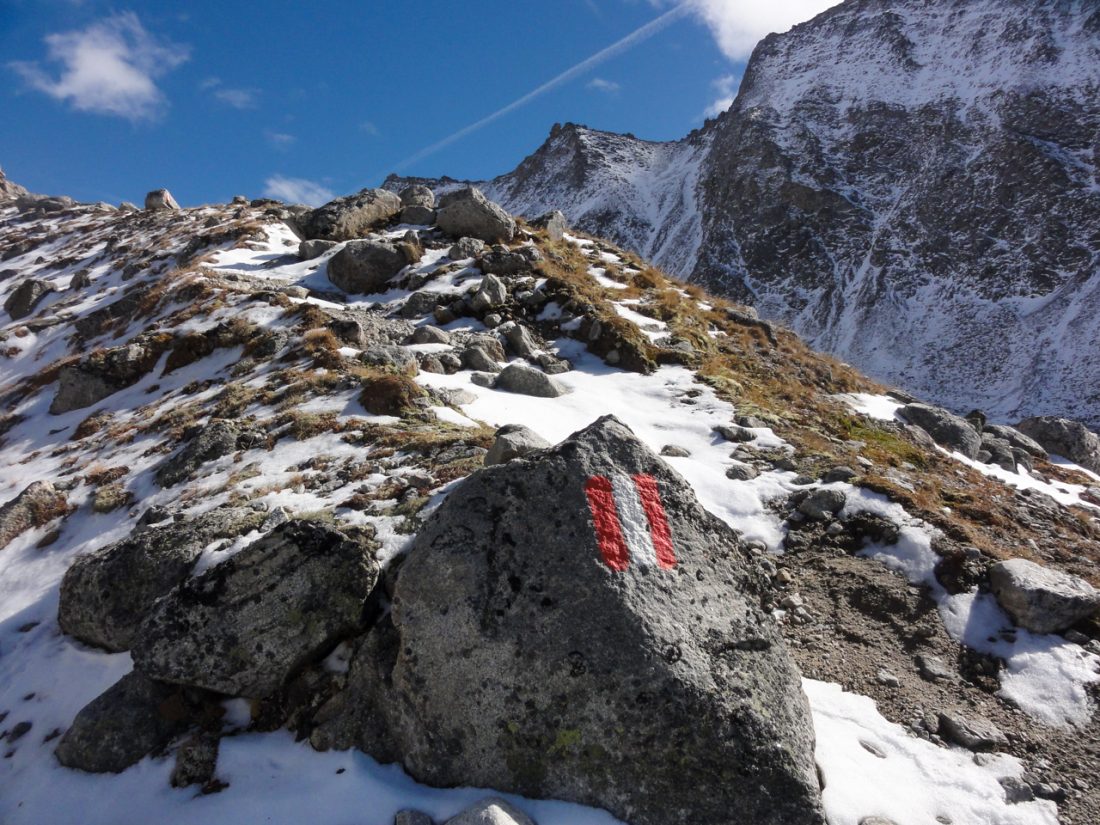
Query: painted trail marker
630	521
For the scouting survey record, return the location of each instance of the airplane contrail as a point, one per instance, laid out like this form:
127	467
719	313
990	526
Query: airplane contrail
632	39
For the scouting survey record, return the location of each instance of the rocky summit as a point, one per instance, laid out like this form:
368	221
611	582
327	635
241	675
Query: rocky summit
362	506
907	184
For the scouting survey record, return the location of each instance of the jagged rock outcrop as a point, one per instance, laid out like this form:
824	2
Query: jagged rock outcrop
160	200
577	626
1061	436
1042	599
909	185
25	297
351	216
9	190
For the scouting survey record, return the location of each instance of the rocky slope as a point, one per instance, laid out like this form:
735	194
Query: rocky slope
910	185
282	502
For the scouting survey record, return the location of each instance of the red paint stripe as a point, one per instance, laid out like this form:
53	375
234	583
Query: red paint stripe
609	533
658	521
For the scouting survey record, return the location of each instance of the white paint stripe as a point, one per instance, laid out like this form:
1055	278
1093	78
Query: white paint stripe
633	520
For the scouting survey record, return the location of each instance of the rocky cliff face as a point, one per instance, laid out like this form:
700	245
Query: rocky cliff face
909	184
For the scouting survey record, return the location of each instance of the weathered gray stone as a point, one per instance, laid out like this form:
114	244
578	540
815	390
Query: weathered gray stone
514	441
735	433
466	248
418	195
527	380
160	199
412	818
216	439
519	658
390	355
243	627
742	472
1042	599
38	504
420	304
308	250
508	263
998	451
554	223
675	451
1064	437
123	725
365	267
25	297
102	373
106	595
477	357
947	429
351	216
973	732
467	212
492	811
196	761
520	340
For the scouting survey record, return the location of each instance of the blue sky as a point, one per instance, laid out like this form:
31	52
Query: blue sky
306	100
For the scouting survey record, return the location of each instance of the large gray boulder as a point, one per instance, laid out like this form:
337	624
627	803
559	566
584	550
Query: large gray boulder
102	373
947	429
243	627
577	626
366	266
25	297
107	594
160	200
1016	438
467	212
38	504
418	195
351	216
122	725
1042	599
1064	437
308	250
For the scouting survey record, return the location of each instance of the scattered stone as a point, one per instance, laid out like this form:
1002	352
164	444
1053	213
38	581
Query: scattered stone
217	439
551	364
25	297
1016	438
131	719
37	505
742	472
467	212
1065	437
106	595
308	250
391	356
1016	790
885	677
946	429
839	474
518	650
477	357
933	669
508	263
102	373
553	222
418	215
483	379
972	732
513	441
365	267
160	199
428	334
675	451
527	380
466	248
420	304
822	504
352	216
1042	599
492	319
493	811
244	626
520	340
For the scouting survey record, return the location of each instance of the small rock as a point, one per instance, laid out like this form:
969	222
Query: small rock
466	248
946	429
513	441
428	334
1016	790
553	222
520	341
735	433
885	677
742	472
972	732
217	439
196	761
492	293
839	474
933	669
38	504
876	820
477	357
308	250
483	379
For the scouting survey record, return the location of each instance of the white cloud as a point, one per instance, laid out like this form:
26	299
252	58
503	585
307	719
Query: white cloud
738	25
297	190
368	128
109	68
280	140
237	98
725	87
600	85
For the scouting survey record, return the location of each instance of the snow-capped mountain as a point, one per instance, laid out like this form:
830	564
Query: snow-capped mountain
909	184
